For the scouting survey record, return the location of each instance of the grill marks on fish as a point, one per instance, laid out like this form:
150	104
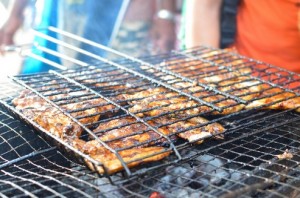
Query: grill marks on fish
60	125
168	112
132	157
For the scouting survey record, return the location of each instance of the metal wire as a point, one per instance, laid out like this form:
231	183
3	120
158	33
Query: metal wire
242	144
122	108
122	67
248	162
230	70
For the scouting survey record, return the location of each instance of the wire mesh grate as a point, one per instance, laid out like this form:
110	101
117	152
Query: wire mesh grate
128	93
248	164
246	111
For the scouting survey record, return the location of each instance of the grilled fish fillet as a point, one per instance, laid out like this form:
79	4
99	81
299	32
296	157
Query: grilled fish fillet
88	109
158	101
192	130
205	73
127	132
52	120
132	157
282	100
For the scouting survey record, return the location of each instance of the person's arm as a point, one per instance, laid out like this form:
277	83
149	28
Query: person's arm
13	23
163	25
203	23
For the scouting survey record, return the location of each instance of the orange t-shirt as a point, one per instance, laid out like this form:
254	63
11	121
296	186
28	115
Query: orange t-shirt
268	30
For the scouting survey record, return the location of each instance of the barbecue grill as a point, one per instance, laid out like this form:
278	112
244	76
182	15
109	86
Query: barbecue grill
257	154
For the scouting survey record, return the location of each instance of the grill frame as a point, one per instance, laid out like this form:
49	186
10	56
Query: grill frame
129	188
272	82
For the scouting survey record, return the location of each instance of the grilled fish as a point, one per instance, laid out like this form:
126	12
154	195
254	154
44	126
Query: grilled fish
132	157
127	132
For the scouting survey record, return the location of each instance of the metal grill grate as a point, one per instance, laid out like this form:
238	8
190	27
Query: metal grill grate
213	94
245	165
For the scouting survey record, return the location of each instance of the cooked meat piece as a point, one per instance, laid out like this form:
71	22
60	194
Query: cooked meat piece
87	108
228	105
132	157
91	108
279	97
128	132
156	97
52	120
136	133
243	87
146	93
157	101
194	134
29	99
109	85
205	73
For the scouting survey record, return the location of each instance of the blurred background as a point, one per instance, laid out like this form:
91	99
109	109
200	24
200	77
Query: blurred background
134	28
11	62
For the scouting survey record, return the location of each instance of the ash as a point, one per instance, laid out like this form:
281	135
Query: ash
107	189
204	175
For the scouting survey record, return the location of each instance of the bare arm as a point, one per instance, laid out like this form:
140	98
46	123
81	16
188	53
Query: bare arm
203	23
163	29
13	22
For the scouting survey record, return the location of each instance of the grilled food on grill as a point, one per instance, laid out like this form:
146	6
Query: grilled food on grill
158	101
132	157
276	98
87	110
190	129
126	132
235	80
54	121
167	115
204	72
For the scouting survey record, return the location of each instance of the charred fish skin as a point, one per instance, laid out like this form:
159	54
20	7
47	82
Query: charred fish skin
63	127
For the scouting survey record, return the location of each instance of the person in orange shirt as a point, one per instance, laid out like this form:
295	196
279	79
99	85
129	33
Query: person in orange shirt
266	30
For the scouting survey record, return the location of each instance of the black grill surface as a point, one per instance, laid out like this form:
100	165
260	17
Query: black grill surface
245	165
257	157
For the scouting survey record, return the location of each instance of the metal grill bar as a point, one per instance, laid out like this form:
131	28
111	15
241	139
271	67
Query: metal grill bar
144	63
89	131
120	107
57	181
77	122
60	55
36	183
230	67
125	68
17	187
25	157
49	134
37	57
